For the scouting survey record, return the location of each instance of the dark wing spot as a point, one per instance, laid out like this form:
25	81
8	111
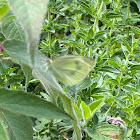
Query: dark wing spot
72	73
77	62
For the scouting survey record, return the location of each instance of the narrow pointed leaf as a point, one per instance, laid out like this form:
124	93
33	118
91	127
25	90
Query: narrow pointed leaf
78	112
85	6
3	10
85	111
135	29
96	105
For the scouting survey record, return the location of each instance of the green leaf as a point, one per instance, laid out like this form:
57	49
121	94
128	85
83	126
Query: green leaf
86	83
4	8
85	6
135	29
127	81
31	15
99	90
138	3
19	127
100	34
3	132
94	106
120	102
29	105
11	29
135	67
85	111
113	63
127	45
113	15
137	112
17	50
78	112
103	132
109	69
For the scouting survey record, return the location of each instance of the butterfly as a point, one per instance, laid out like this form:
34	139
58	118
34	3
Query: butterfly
116	121
70	70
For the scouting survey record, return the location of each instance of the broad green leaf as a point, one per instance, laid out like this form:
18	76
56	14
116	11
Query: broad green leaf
86	113
29	105
103	132
17	50
4	8
94	106
3	132
11	29
19	126
31	15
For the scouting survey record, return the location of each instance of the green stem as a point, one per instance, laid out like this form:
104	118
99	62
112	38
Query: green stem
49	33
128	14
128	9
119	90
71	111
97	17
90	51
112	27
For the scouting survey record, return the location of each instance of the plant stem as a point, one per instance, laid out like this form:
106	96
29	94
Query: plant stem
128	9
5	58
71	111
49	33
128	14
97	17
112	27
119	90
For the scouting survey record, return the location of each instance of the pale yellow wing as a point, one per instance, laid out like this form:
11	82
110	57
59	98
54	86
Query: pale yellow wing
70	70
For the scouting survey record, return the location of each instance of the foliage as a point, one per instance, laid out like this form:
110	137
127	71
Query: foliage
35	58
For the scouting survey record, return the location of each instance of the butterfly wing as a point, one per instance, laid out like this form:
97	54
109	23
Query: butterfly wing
71	69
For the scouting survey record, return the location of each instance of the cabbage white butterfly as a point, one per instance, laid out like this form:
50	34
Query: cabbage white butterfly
70	69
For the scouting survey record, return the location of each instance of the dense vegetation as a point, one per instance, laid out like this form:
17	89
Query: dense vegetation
36	103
